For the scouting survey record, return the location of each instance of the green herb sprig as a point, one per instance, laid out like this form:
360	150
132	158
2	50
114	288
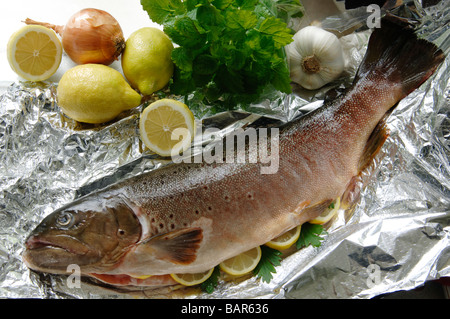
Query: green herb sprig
228	50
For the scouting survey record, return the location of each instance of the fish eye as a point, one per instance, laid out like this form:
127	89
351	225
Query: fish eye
65	219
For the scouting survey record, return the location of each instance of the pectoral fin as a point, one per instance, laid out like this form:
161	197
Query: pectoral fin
178	247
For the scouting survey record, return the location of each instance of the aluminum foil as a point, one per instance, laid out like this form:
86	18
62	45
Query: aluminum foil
396	238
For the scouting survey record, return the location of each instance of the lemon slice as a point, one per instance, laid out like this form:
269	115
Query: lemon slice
141	277
34	52
242	263
167	127
192	279
328	213
285	240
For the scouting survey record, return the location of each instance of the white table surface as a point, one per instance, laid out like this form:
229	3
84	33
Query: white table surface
129	13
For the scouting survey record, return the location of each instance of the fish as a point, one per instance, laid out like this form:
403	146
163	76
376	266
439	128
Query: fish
189	217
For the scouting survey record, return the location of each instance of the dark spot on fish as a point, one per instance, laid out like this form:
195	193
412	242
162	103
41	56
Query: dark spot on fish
205	187
249	196
121	232
162	182
153	220
171	216
161	225
197	212
172	226
209	208
185	224
227	198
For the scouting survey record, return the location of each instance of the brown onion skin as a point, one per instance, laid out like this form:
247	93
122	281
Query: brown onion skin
93	36
90	36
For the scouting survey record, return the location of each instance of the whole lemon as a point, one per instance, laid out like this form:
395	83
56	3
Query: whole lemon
95	93
146	60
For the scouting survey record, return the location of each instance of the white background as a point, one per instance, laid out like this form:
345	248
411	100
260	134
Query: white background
128	13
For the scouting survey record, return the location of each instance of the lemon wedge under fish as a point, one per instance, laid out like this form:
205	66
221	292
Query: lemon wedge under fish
192	279
285	240
242	263
328	214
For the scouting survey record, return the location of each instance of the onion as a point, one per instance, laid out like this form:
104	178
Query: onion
90	36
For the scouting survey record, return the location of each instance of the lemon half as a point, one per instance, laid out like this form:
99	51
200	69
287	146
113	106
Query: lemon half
167	127
34	52
192	279
285	240
242	263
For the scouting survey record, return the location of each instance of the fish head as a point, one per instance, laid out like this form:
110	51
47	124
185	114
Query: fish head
90	234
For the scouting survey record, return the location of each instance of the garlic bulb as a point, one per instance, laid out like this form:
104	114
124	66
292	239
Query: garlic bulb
315	57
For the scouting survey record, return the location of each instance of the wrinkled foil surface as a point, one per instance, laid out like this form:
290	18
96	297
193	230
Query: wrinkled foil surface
397	237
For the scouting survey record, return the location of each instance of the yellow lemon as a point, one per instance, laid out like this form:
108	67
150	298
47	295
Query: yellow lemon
328	213
242	263
34	52
192	279
95	93
167	127
146	60
285	240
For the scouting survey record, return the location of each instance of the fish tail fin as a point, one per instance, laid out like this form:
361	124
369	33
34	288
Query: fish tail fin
396	54
396	58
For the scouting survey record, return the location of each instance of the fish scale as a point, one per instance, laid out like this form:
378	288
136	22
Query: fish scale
187	218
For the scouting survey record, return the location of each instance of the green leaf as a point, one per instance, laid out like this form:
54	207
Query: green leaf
241	19
310	235
160	10
182	58
281	77
247	4
222	4
270	258
205	64
183	31
211	283
278	31
209	16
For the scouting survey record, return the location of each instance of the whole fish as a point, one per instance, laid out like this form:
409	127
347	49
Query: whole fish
187	218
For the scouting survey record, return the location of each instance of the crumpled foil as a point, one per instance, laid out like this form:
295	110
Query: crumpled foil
397	237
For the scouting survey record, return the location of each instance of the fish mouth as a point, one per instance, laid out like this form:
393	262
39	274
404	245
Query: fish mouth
55	255
40	243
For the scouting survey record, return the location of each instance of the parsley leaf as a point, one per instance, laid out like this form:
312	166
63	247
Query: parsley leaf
211	283
310	235
160	10
231	47
270	258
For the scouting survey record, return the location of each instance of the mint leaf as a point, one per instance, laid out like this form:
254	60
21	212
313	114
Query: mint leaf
310	235
160	10
270	258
